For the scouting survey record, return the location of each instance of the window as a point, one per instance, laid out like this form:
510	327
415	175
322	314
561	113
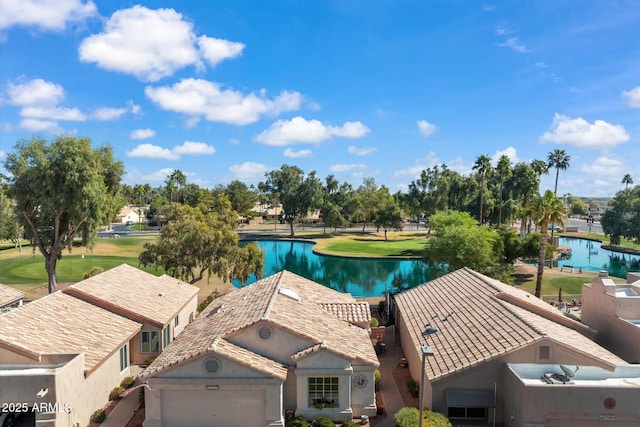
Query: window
191	316
323	392
150	342
544	352
265	332
211	365
124	357
166	336
176	321
467	413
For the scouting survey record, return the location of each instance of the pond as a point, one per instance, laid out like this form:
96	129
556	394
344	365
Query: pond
589	255
361	277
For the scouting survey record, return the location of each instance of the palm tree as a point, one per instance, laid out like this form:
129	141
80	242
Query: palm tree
504	170
483	166
545	209
626	180
558	159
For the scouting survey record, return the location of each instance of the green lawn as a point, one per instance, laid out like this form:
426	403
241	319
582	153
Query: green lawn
368	247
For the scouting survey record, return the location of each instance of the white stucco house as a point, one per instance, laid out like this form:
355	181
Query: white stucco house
498	356
280	347
614	311
67	350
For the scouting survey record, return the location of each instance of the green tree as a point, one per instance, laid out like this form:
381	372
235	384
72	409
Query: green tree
10	225
196	242
504	171
459	242
627	180
242	199
389	218
546	209
622	218
559	160
483	166
63	188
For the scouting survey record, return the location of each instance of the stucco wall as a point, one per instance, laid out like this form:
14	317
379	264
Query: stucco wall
279	347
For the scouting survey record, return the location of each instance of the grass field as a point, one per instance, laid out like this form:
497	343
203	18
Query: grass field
399	245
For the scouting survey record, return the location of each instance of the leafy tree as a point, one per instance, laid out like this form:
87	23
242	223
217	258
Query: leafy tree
504	170
196	242
242	199
459	242
10	225
559	160
389	218
546	209
627	180
297	194
483	166
622	218
370	199
63	188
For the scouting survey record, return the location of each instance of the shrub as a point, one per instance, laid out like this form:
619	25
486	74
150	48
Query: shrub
93	272
115	393
298	421
374	323
149	361
376	379
414	387
98	416
141	397
322	421
407	417
434	419
348	422
127	382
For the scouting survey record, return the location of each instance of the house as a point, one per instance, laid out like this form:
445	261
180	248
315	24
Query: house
614	311
66	351
131	214
163	305
280	347
495	354
10	298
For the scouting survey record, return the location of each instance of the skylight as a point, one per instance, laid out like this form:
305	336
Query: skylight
290	293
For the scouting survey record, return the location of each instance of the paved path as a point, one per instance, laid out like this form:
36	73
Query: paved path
126	407
391	396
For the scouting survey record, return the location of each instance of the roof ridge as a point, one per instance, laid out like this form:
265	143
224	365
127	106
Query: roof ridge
274	294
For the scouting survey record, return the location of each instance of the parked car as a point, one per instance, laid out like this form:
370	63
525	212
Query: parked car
129	223
554	227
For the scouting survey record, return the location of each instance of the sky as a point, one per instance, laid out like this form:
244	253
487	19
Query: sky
226	90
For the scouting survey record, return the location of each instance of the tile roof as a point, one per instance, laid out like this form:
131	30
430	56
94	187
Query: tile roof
136	294
474	325
58	324
9	295
354	312
263	301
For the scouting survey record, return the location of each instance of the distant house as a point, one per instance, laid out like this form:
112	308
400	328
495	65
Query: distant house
10	298
281	347
495	354
614	311
131	214
73	347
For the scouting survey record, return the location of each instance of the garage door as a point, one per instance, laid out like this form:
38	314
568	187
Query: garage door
213	408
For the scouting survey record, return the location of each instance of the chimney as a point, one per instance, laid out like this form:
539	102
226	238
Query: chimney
603	273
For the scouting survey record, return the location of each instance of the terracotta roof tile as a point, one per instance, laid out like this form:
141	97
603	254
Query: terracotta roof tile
354	312
473	325
135	293
264	301
9	295
57	324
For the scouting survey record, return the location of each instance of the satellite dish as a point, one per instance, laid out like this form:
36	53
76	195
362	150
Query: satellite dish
568	372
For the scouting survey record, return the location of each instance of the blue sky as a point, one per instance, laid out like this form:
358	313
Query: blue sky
227	90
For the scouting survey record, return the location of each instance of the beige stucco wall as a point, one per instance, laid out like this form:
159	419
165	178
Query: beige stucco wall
279	347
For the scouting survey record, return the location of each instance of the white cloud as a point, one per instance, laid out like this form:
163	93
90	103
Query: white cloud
632	97
152	44
513	43
136	177
413	172
297	154
150	151
598	135
347	167
216	50
106	114
194	148
45	14
302	131
142	134
541	65
510	152
488	7
463	167
605	166
190	148
3	155
356	151
248	171
197	97
35	125
36	92
53	113
425	128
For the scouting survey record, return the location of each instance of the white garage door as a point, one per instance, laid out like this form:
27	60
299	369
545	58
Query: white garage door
213	408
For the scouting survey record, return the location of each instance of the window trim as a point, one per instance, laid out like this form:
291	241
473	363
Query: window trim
149	341
325	393
124	357
166	336
176	321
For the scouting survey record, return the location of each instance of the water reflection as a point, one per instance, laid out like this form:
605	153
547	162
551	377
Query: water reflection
359	277
589	256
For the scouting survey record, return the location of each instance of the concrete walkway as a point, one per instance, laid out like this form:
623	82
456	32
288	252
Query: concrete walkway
126	407
391	396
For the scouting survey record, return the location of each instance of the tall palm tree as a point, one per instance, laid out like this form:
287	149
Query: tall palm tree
545	209
483	166
558	159
504	170
626	180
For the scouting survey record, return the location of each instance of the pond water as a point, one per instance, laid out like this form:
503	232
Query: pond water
357	276
589	255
